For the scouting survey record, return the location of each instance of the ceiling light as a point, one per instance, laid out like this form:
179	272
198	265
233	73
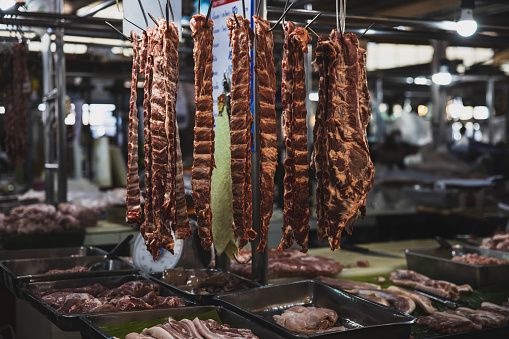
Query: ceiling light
443	77
466	25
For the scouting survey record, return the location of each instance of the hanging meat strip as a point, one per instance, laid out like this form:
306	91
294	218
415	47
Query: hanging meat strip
147	60
346	168
17	86
180	225
133	179
323	55
240	125
365	112
204	127
296	206
267	121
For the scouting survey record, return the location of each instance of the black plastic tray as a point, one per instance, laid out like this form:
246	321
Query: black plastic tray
72	322
20	271
203	299
94	321
365	319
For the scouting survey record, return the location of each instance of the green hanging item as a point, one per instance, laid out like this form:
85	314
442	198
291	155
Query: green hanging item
221	185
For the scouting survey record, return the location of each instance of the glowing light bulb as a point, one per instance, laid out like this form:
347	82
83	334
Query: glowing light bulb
466	25
443	77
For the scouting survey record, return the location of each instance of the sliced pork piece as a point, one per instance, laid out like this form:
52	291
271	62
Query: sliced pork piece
307	320
448	323
480	317
491	307
266	73
203	154
346	284
133	179
421	282
180	329
210	329
402	303
158	332
421	300
240	129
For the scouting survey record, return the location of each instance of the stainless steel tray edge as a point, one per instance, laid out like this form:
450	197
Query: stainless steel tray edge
439	266
392	330
203	299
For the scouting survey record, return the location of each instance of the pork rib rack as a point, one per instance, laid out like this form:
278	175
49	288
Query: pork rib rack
341	159
240	129
133	179
165	205
267	121
296	164
204	126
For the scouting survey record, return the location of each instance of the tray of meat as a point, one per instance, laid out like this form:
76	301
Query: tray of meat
202	285
19	271
461	264
205	321
309	309
63	301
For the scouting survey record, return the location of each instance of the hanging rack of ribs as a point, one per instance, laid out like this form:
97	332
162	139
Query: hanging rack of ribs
165	204
241	37
133	179
341	156
266	75
178	212
204	126
296	164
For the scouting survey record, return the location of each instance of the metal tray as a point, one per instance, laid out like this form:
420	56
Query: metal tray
202	299
365	319
72	322
80	251
94	321
436	263
20	271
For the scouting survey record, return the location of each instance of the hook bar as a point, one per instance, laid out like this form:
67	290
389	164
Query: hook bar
313	20
281	18
143	12
119	32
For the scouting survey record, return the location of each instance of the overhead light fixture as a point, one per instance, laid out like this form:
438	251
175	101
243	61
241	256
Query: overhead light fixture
466	25
443	77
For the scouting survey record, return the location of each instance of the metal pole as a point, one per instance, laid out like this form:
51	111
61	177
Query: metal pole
48	118
490	96
260	260
437	95
61	108
379	97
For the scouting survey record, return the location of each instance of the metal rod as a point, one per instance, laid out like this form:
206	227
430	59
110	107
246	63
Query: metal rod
171	11
313	20
61	109
116	30
199	6
132	23
208	13
47	117
244	9
281	18
337	16
167	15
490	99
235	16
313	32
367	29
286	6
143	12
161	9
153	19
